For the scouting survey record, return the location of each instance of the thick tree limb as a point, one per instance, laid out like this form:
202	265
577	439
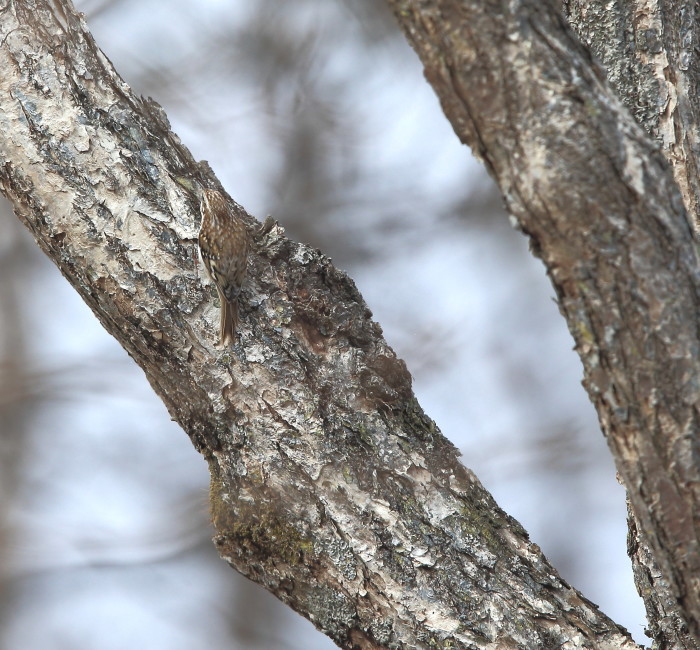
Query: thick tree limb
650	54
329	485
603	212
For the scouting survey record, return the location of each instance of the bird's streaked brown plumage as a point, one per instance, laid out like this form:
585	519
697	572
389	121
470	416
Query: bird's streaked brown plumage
224	242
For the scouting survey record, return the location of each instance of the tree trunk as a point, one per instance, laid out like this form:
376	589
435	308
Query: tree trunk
603	212
650	57
330	486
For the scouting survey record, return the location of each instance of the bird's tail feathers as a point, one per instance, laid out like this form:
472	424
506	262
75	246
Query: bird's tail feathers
229	321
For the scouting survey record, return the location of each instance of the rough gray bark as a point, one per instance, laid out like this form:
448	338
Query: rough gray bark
649	52
602	210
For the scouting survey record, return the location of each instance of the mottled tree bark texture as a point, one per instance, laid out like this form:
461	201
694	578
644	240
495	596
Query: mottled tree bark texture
330	486
600	205
649	51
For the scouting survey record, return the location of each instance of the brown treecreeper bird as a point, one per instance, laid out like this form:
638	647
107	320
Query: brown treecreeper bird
224	242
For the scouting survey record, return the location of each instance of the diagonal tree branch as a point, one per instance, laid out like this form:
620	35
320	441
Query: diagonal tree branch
601	208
